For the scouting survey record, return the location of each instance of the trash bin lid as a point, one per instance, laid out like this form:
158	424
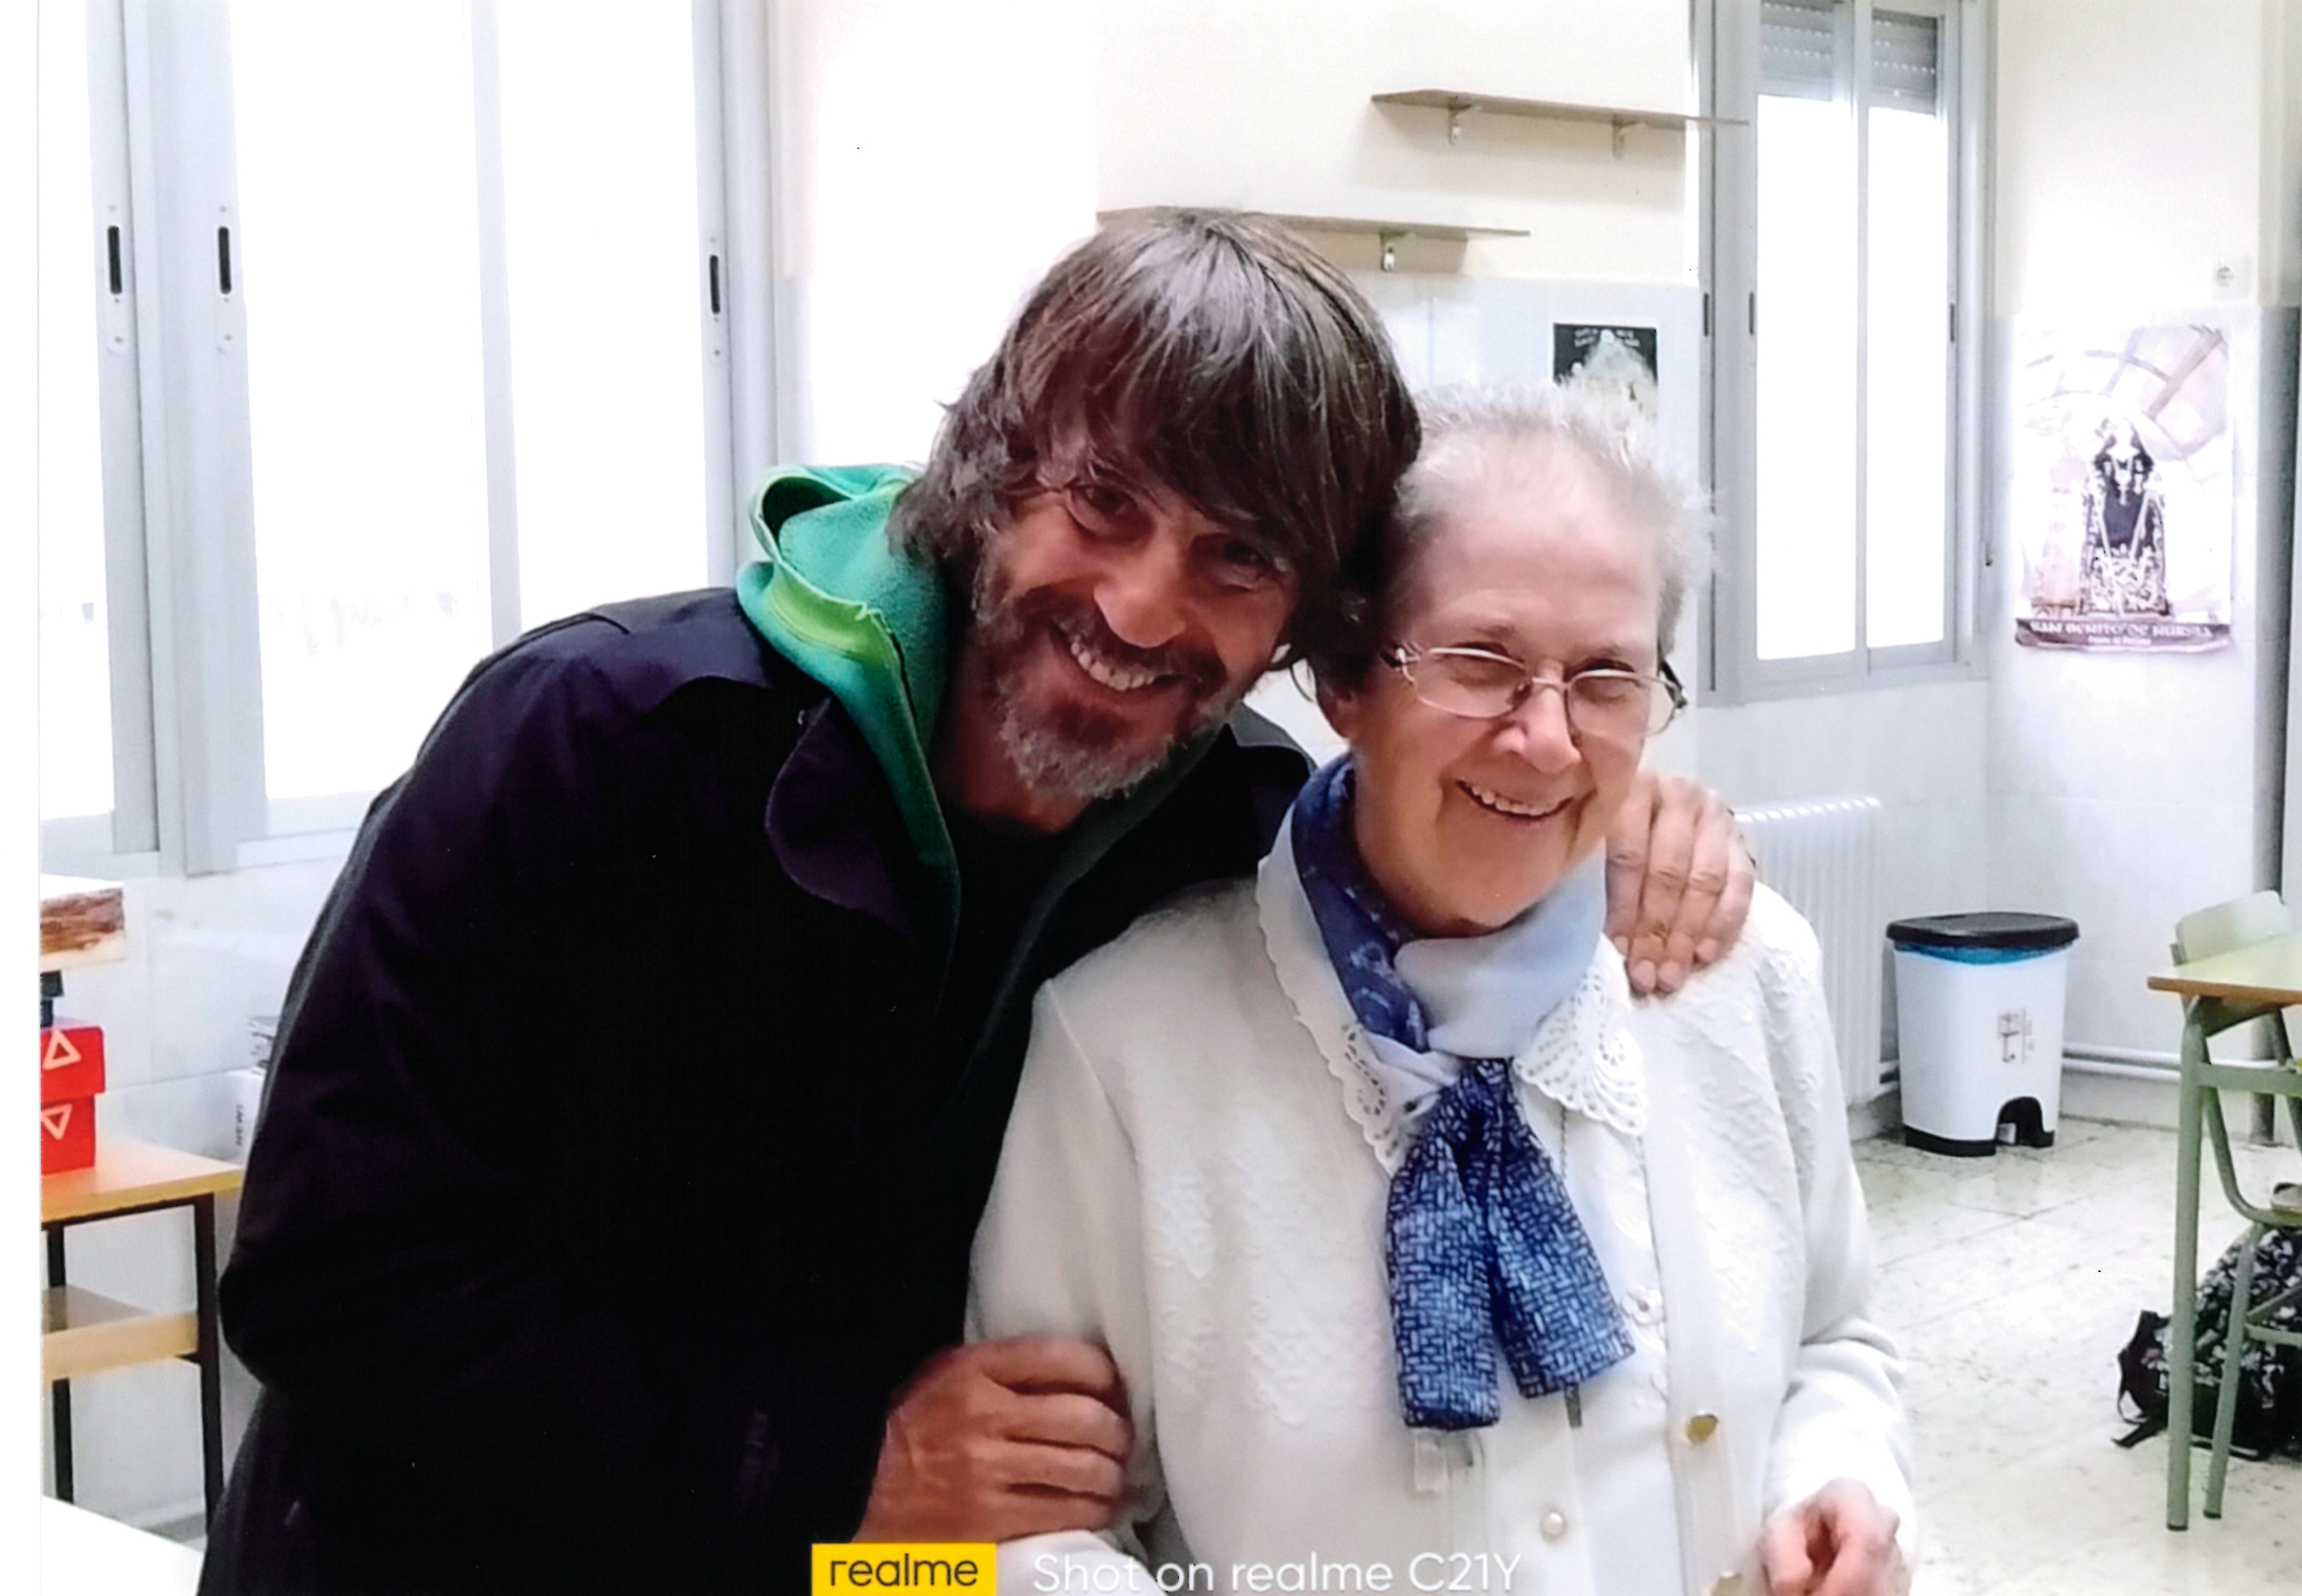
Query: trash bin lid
1995	928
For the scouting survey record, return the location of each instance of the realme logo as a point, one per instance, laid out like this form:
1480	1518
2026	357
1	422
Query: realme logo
972	1566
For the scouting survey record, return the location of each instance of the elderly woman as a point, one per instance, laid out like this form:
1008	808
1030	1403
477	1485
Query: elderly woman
1430	1260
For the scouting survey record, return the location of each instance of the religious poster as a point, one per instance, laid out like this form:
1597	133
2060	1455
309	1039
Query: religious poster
2121	499
1620	361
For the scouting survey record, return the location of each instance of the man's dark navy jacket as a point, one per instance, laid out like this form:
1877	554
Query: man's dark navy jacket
609	1181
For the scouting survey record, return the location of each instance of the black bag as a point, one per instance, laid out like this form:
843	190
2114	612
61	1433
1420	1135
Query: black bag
2269	1418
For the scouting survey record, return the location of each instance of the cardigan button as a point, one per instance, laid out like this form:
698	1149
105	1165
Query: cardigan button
1553	1525
1701	1427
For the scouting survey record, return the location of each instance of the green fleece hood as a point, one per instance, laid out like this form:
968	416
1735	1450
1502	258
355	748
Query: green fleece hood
873	625
837	600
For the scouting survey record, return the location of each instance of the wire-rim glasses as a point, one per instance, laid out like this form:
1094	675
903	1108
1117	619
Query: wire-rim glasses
1603	701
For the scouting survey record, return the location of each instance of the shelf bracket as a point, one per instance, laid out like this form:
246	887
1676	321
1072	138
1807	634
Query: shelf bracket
1390	241
1455	111
1622	124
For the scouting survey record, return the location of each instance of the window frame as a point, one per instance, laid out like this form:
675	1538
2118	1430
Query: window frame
1726	41
181	585
131	828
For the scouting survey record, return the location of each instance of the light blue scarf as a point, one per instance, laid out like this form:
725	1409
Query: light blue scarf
1482	1244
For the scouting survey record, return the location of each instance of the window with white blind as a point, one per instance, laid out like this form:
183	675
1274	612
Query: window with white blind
373	333
1844	220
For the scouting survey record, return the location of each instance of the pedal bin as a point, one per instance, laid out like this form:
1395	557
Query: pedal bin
1978	1005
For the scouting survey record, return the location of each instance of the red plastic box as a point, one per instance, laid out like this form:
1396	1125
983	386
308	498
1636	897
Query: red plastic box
71	1060
71	1073
67	1135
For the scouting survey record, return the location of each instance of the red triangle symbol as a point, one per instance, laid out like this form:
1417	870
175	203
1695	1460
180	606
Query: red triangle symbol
61	1051
53	1120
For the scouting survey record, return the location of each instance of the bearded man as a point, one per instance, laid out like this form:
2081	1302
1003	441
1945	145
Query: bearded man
637	1095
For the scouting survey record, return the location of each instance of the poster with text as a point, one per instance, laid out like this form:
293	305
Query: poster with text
2121	489
1617	361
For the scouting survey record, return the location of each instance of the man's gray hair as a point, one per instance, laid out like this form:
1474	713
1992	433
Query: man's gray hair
1469	430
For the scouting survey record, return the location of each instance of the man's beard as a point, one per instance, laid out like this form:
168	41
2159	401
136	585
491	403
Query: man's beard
1068	749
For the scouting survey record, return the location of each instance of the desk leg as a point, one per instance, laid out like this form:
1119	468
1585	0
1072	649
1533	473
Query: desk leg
2262	1131
211	1353
60	1390
2182	1351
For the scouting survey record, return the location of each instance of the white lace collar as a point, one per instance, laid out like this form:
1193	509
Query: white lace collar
1582	1057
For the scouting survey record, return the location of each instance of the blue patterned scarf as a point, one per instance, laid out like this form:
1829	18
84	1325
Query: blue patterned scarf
1482	1244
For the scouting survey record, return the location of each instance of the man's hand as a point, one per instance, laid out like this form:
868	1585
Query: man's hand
1837	1542
1003	1439
1678	881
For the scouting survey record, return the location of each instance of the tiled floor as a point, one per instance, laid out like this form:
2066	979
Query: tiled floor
2012	1284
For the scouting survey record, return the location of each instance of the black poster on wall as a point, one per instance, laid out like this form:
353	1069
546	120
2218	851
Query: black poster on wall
1619	360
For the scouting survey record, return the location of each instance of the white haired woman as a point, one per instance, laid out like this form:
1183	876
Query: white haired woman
1421	1246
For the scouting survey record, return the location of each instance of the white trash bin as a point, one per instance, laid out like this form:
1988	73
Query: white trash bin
1979	1001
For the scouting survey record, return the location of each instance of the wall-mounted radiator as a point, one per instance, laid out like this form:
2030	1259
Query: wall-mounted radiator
1822	855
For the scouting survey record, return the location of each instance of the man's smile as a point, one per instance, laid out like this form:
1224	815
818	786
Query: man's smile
1117	674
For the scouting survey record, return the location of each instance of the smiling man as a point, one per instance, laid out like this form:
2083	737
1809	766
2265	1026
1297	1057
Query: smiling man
636	1097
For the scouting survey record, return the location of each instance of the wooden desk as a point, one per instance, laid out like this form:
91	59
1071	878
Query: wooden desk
2268	972
85	1333
2215	992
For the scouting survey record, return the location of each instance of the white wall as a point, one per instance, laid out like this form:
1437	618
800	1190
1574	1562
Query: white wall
205	954
2142	174
1266	106
932	160
1917	749
2128	153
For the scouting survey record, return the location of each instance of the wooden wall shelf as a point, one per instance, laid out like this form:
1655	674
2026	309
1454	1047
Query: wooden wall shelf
1387	232
1458	104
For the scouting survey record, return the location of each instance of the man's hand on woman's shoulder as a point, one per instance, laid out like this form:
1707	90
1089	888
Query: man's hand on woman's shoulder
1678	881
1000	1440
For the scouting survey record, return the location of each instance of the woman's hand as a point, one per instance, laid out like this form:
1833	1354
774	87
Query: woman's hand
1678	881
1837	1542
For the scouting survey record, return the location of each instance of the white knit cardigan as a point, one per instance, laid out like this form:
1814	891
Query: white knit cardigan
1195	1175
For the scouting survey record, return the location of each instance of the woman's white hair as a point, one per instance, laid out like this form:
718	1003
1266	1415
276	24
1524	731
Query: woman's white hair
1468	432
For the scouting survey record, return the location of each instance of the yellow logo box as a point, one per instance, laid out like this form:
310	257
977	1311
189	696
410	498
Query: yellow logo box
971	1566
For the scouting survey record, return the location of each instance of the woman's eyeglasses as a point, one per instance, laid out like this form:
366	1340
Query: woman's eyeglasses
1604	702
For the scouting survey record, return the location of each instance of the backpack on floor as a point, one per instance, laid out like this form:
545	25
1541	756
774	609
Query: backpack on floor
2269	1418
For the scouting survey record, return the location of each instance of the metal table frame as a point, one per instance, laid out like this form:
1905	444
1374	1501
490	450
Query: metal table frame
175	1181
2216	993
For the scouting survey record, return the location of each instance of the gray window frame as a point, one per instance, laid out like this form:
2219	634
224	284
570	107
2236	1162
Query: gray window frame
187	734
1726	36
